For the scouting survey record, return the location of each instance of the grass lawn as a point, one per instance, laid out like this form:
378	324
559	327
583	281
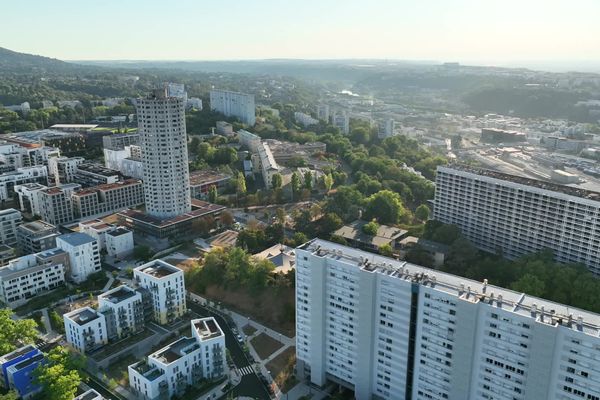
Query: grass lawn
43	300
282	368
118	370
120	345
248	330
265	345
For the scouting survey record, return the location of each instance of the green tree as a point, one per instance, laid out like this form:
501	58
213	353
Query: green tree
530	284
330	222
385	250
370	228
58	378
327	182
295	183
15	332
386	206
422	213
142	252
212	194
10	395
241	184
308	180
276	181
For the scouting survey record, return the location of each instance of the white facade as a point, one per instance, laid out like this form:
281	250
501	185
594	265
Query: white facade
194	102
28	197
264	163
113	158
161	124
8	180
305	119
519	216
84	254
36	236
386	129
27	276
165	283
85	329
168	371
341	120
133	168
55	203
62	169
323	112
234	104
97	229
123	309
10	219
119	242
249	140
395	330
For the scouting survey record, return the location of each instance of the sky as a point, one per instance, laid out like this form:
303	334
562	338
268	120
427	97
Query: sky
499	32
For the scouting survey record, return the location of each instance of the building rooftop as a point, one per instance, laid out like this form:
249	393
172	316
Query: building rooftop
83	315
385	234
175	350
76	238
73	126
25	363
149	372
118	232
540	310
9	211
158	269
207	328
38	227
97	169
17	353
118	294
199	209
552	187
89	395
108	186
198	178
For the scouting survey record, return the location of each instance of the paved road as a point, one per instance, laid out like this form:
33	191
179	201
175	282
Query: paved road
250	385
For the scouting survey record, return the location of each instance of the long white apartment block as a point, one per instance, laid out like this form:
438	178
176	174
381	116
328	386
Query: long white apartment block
63	169
8	180
163	137
166	286
26	277
393	330
84	254
264	162
305	119
85	329
234	104
123	309
170	370
248	139
517	216
9	221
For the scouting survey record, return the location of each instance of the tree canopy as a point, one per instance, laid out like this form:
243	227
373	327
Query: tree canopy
15	332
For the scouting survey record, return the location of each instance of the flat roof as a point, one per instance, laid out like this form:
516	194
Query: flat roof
89	395
76	238
199	209
118	232
554	314
118	294
97	169
175	350
158	268
83	316
108	186
553	187
18	353
73	126
198	178
37	226
385	234
207	328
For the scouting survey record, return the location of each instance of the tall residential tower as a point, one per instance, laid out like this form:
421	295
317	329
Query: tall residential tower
161	125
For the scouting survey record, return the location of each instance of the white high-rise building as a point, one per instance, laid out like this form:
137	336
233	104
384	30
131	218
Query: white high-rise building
341	120
161	125
516	215
123	309
10	219
386	129
84	254
234	104
165	283
249	140
85	329
393	330
63	169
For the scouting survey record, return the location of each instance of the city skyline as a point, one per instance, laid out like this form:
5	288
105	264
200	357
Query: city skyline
508	34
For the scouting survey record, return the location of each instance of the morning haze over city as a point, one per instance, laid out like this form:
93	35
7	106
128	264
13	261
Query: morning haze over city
305	200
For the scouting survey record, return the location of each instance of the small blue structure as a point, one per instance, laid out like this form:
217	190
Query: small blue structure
17	370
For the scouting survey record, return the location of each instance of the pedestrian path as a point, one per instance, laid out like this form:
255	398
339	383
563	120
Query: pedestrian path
247	370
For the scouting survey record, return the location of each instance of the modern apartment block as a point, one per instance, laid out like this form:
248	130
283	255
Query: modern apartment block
305	119
85	329
84	254
341	120
90	175
55	203
234	104
386	129
123	309
107	198
161	124
27	276
17	368
9	221
119	242
249	140
120	140
9	180
28	197
165	284
504	213
36	236
62	169
264	163
169	371
389	329
323	112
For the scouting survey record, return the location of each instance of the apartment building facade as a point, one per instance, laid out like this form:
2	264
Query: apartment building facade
165	284
84	254
107	198
123	309
85	329
516	216
8	180
10	219
389	329
56	206
234	104
36	236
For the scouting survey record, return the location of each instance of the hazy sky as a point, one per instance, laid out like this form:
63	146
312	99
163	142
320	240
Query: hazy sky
483	31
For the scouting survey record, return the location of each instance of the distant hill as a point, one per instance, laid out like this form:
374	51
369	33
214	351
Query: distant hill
12	61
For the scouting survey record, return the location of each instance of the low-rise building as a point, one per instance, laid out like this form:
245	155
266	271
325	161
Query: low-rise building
355	236
123	310
36	236
107	198
224	128
7	253
264	163
8	180
97	229
305	119
28	194
27	276
119	242
17	368
437	251
9	221
165	284
170	370
201	181
84	254
249	140
90	174
85	329
90	395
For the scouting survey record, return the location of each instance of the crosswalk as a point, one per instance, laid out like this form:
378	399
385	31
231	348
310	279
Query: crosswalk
247	370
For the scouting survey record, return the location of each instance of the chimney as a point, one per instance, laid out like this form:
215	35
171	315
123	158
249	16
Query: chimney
542	314
534	310
579	322
485	282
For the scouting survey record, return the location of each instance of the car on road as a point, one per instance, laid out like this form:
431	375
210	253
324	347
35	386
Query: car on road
240	338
